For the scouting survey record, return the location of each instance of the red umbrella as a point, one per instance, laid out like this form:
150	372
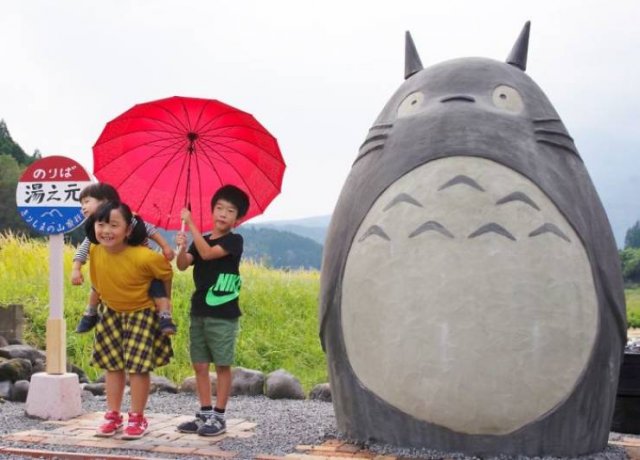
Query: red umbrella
172	153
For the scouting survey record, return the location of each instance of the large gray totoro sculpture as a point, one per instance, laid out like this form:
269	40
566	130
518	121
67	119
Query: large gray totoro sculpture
471	295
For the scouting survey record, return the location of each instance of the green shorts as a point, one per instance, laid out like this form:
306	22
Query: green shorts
213	340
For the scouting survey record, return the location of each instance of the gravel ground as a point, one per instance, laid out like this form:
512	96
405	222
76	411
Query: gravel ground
281	426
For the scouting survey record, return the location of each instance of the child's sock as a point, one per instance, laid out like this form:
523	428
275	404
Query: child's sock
219	413
164	314
91	310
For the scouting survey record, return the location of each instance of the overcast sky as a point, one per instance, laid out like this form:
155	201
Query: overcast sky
315	74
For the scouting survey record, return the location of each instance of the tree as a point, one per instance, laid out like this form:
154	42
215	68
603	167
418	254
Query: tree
632	238
10	219
630	259
9	147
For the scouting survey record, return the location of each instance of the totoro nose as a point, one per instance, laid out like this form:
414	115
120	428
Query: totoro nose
458	97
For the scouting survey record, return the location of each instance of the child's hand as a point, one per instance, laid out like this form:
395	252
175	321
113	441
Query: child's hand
181	241
76	277
185	215
168	253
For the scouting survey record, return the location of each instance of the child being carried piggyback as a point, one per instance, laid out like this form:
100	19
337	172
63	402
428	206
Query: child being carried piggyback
128	339
91	197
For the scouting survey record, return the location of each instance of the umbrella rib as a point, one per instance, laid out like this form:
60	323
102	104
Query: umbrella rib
172	115
176	128
146	144
224	114
241	177
267	152
208	143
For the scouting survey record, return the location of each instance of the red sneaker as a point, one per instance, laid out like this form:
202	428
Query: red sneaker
136	427
112	423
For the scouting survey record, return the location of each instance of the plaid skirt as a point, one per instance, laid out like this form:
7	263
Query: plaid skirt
130	341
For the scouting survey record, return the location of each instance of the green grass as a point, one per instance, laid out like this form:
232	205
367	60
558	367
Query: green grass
278	329
633	306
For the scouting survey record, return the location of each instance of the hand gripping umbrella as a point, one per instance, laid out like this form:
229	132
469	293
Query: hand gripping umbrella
172	153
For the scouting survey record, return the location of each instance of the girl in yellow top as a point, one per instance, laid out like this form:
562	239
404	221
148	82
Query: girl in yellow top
128	340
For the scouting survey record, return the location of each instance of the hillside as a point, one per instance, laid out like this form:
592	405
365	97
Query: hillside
280	249
275	248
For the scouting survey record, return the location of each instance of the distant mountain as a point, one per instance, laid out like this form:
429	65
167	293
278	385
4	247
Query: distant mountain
280	249
309	227
274	248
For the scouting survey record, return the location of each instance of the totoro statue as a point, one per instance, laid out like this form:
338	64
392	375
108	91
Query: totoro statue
471	294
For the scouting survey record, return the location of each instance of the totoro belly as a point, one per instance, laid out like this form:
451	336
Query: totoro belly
468	299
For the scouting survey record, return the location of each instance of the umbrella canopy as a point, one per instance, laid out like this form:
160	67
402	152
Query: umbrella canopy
172	153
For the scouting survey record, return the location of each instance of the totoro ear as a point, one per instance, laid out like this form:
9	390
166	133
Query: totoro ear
412	63
518	55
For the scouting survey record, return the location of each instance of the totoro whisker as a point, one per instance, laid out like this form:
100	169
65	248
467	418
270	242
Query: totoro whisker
556	144
553	133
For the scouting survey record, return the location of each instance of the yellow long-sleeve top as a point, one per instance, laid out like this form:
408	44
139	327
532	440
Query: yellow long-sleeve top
122	279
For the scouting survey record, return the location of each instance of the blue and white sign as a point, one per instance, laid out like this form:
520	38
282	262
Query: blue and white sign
48	195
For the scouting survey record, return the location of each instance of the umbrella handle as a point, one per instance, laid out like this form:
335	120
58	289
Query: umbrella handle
182	231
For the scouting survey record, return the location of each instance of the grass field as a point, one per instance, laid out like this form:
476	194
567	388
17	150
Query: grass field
278	329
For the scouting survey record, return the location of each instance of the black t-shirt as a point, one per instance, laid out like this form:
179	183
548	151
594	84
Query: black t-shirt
218	280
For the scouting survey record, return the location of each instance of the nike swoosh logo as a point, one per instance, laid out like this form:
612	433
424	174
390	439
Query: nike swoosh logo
214	300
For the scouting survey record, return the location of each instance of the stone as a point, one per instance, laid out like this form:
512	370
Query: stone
87	396
19	391
16	369
162	384
12	321
3	342
5	389
321	392
188	385
82	377
22	351
39	365
281	384
246	382
54	397
96	389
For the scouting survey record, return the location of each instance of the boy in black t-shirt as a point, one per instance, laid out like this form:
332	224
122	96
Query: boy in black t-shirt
214	304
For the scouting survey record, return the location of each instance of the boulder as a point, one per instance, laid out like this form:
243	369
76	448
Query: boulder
282	385
82	377
22	351
5	389
321	392
87	396
19	391
15	342
16	369
159	384
96	389
246	382
39	366
188	385
3	342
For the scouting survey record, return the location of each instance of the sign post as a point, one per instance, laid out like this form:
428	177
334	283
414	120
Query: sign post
48	199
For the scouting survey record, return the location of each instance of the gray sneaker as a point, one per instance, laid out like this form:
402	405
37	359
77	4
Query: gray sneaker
193	426
213	427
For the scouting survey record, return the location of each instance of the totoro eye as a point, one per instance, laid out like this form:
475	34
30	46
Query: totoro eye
507	98
410	104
